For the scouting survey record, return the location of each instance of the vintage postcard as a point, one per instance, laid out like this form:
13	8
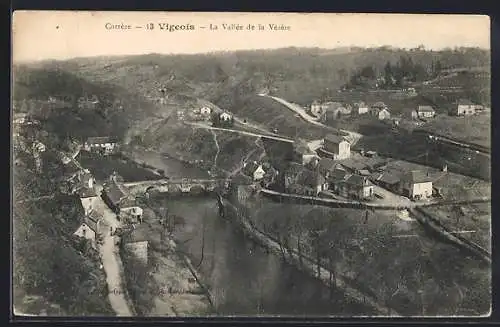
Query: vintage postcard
251	164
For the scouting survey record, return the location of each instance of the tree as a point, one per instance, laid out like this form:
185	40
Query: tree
343	74
215	119
437	68
388	74
367	72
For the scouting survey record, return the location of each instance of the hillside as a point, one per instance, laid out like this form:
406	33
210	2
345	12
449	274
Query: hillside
116	109
51	267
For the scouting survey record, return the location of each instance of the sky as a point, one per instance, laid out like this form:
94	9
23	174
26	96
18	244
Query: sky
40	35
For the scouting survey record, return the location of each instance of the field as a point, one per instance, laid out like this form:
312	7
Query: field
103	166
395	259
473	129
274	115
473	220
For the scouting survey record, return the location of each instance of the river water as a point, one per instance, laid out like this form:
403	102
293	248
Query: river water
242	277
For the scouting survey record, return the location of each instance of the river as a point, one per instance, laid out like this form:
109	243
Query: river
242	277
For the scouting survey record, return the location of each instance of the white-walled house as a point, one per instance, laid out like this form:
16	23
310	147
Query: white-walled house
259	173
105	144
225	116
384	114
205	111
89	229
416	185
425	112
338	146
465	107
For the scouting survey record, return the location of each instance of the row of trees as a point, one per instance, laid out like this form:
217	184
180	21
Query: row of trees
392	75
359	250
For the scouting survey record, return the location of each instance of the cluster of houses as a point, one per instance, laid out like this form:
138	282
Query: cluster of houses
200	114
101	144
329	111
79	181
204	113
334	171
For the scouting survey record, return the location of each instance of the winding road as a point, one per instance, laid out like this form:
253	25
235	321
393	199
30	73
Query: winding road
353	136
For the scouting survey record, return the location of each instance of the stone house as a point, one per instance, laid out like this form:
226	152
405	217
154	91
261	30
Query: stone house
206	111
136	241
225	116
101	144
377	107
388	180
309	183
425	112
361	108
465	107
113	195
132	214
336	147
384	114
90	227
303	154
416	185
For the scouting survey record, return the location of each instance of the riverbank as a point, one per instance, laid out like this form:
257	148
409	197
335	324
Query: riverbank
307	264
428	220
167	284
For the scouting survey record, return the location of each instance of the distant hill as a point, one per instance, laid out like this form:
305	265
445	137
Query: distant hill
116	109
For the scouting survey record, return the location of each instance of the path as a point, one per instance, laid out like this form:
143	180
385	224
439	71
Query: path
393	204
353	136
111	260
201	125
218	149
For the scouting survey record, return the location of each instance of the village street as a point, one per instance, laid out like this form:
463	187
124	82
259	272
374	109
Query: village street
390	198
111	259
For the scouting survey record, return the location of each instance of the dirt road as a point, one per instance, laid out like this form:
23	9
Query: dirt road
111	260
353	136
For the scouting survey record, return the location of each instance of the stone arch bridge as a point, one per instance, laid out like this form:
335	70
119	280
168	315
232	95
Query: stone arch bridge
184	185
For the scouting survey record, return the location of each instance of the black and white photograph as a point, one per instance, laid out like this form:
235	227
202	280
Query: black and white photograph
216	164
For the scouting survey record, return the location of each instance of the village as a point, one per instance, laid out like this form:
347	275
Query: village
326	168
113	221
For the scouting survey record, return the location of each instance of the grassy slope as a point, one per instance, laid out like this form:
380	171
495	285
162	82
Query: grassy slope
474	129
